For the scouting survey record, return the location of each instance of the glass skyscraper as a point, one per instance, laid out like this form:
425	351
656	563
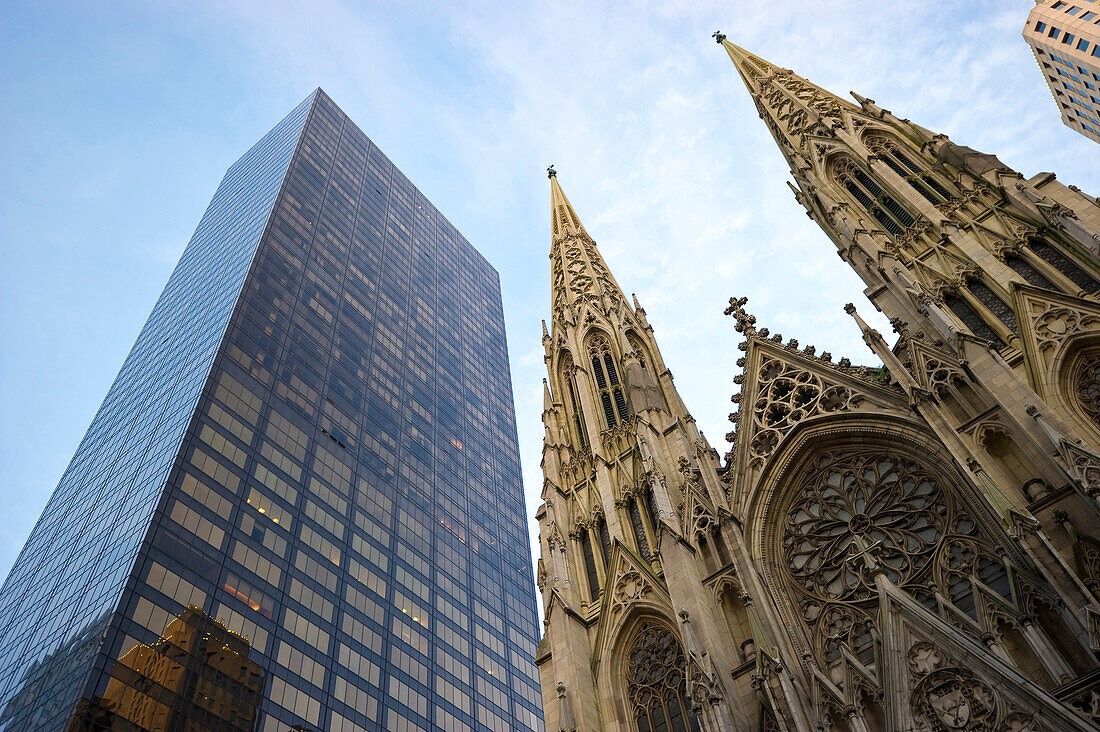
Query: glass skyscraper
299	506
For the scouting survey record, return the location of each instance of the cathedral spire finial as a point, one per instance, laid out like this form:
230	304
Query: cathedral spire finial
563	219
550	172
581	281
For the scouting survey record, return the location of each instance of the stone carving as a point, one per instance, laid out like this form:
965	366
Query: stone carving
1018	722
789	394
954	699
1059	322
924	658
1084	466
629	587
1087	705
941	376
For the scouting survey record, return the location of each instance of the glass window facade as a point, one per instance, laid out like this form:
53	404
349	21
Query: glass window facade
300	504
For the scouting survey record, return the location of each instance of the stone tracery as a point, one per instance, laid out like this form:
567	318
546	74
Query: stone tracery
887	501
657	681
1087	386
788	395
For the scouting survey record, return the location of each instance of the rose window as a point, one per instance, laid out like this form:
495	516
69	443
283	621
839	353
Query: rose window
853	503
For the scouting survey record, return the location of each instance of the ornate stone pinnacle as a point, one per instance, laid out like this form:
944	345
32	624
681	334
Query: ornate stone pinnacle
550	172
718	36
850	309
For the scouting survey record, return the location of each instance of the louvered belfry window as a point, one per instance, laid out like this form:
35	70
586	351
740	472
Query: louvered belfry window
891	215
610	389
920	180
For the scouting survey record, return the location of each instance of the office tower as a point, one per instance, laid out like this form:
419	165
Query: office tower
911	546
299	506
1065	38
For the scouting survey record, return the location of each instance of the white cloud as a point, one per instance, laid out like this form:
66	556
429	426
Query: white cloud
655	139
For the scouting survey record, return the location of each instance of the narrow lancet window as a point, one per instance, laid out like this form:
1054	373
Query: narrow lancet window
590	565
919	180
965	312
1027	270
893	217
578	416
605	541
994	304
612	398
1055	257
638	525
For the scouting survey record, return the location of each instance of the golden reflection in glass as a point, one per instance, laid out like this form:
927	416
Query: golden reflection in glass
197	676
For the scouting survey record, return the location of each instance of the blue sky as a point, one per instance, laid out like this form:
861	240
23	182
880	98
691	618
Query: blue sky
119	120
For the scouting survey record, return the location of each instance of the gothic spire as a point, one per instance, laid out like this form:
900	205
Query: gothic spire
792	107
580	279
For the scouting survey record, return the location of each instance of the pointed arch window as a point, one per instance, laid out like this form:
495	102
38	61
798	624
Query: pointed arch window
605	540
1054	256
1028	271
965	312
568	377
891	215
638	525
610	389
656	680
919	180
590	565
993	302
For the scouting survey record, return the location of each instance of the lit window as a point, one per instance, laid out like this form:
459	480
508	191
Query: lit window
1068	38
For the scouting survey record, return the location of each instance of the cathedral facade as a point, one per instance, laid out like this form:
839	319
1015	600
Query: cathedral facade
906	547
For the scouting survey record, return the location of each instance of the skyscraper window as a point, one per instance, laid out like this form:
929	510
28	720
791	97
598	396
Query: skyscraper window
278	517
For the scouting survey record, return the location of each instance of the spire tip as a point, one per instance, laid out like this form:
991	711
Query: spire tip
550	172
718	37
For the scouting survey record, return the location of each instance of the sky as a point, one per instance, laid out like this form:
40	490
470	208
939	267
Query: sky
117	121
